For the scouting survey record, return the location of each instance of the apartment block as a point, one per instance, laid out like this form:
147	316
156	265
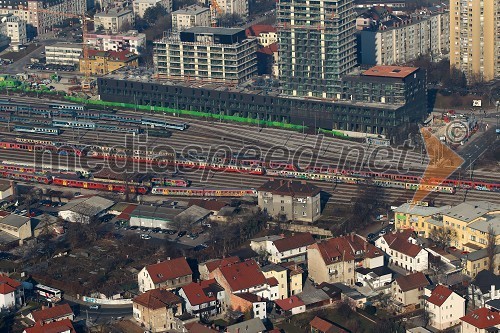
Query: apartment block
266	34
317	46
239	7
204	53
114	19
63	53
475	38
140	6
192	16
14	28
401	39
131	40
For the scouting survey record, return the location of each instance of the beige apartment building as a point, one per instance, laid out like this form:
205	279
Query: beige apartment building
192	16
474	38
113	20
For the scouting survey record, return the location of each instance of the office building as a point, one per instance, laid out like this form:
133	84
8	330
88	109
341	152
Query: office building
114	19
104	62
128	41
140	6
204	53
401	39
63	53
317	46
192	16
475	38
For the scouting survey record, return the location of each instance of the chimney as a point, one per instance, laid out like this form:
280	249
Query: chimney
352	237
14	188
158	261
366	246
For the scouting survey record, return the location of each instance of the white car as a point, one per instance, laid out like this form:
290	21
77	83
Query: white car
382	232
145	236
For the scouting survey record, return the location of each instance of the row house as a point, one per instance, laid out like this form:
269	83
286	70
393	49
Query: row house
402	251
482	320
336	259
445	307
168	274
203	299
157	310
11	292
408	291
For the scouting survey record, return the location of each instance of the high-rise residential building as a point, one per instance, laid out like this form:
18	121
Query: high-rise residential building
221	7
474	38
317	46
15	28
205	53
114	19
191	16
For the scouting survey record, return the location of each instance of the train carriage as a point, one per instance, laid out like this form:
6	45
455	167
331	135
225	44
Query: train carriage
28	177
163	124
37	129
166	181
73	123
202	192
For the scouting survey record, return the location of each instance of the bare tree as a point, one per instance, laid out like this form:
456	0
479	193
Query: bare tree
443	236
491	248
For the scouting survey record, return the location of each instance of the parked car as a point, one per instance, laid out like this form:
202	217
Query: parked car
181	233
145	236
382	232
94	307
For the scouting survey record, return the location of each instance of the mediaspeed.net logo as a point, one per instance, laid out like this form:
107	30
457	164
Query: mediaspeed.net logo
443	161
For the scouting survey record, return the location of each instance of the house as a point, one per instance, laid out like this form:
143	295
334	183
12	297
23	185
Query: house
402	250
290	306
195	327
482	320
484	287
320	325
335	259
246	302
291	248
407	291
244	277
445	307
62	326
351	295
157	310
374	277
254	325
476	261
11	292
168	274
295	277
208	267
280	273
6	188
14	228
85	209
261	244
55	313
203	299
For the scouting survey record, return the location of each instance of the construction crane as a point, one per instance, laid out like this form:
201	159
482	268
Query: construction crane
85	20
216	12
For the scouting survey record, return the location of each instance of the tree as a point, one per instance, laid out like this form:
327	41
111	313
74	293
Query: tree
230	20
126	26
387	326
443	236
178	4
491	248
152	14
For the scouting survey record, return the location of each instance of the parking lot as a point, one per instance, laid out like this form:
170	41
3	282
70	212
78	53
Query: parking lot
52	67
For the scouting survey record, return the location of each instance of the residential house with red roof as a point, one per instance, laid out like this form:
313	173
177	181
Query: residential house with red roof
289	248
105	62
203	299
157	310
11	292
207	267
320	325
168	274
50	314
61	326
336	259
482	320
250	303
402	250
265	33
195	327
445	307
408	291
245	277
290	306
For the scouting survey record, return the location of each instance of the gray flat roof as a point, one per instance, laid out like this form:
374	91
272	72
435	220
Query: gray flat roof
66	45
113	12
155	212
193	10
214	30
471	210
407	208
271	238
88	205
193	214
273	267
14	220
484	225
6	238
480	254
254	325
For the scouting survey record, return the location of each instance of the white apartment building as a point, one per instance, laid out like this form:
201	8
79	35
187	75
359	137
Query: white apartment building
63	53
140	6
205	53
445	307
404	39
15	28
192	16
130	40
113	20
239	7
43	15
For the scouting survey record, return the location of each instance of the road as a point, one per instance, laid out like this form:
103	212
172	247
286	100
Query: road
476	147
20	65
104	314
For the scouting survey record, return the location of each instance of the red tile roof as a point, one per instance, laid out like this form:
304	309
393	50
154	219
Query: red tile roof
321	324
157	299
289	303
199	328
243	275
168	270
125	214
345	248
196	294
8	285
213	205
257	29
390	71
273	47
212	265
252	298
399	242
265	50
290	187
412	281
294	242
53	327
482	318
53	313
123	55
439	295
272	281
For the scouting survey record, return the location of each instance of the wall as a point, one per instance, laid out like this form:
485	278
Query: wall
7	300
106	301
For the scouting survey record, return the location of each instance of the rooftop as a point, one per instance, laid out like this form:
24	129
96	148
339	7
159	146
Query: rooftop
192	10
485	279
471	210
399	241
243	275
157	213
5	185
66	45
157	299
439	295
8	285
407	208
390	71
412	281
113	12
193	214
213	30
88	206
201	292
257	29
294	242
254	325
213	264
15	220
53	313
289	303
169	269
64	325
482	318
290	187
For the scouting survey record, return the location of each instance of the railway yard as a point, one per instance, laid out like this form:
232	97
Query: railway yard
212	158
